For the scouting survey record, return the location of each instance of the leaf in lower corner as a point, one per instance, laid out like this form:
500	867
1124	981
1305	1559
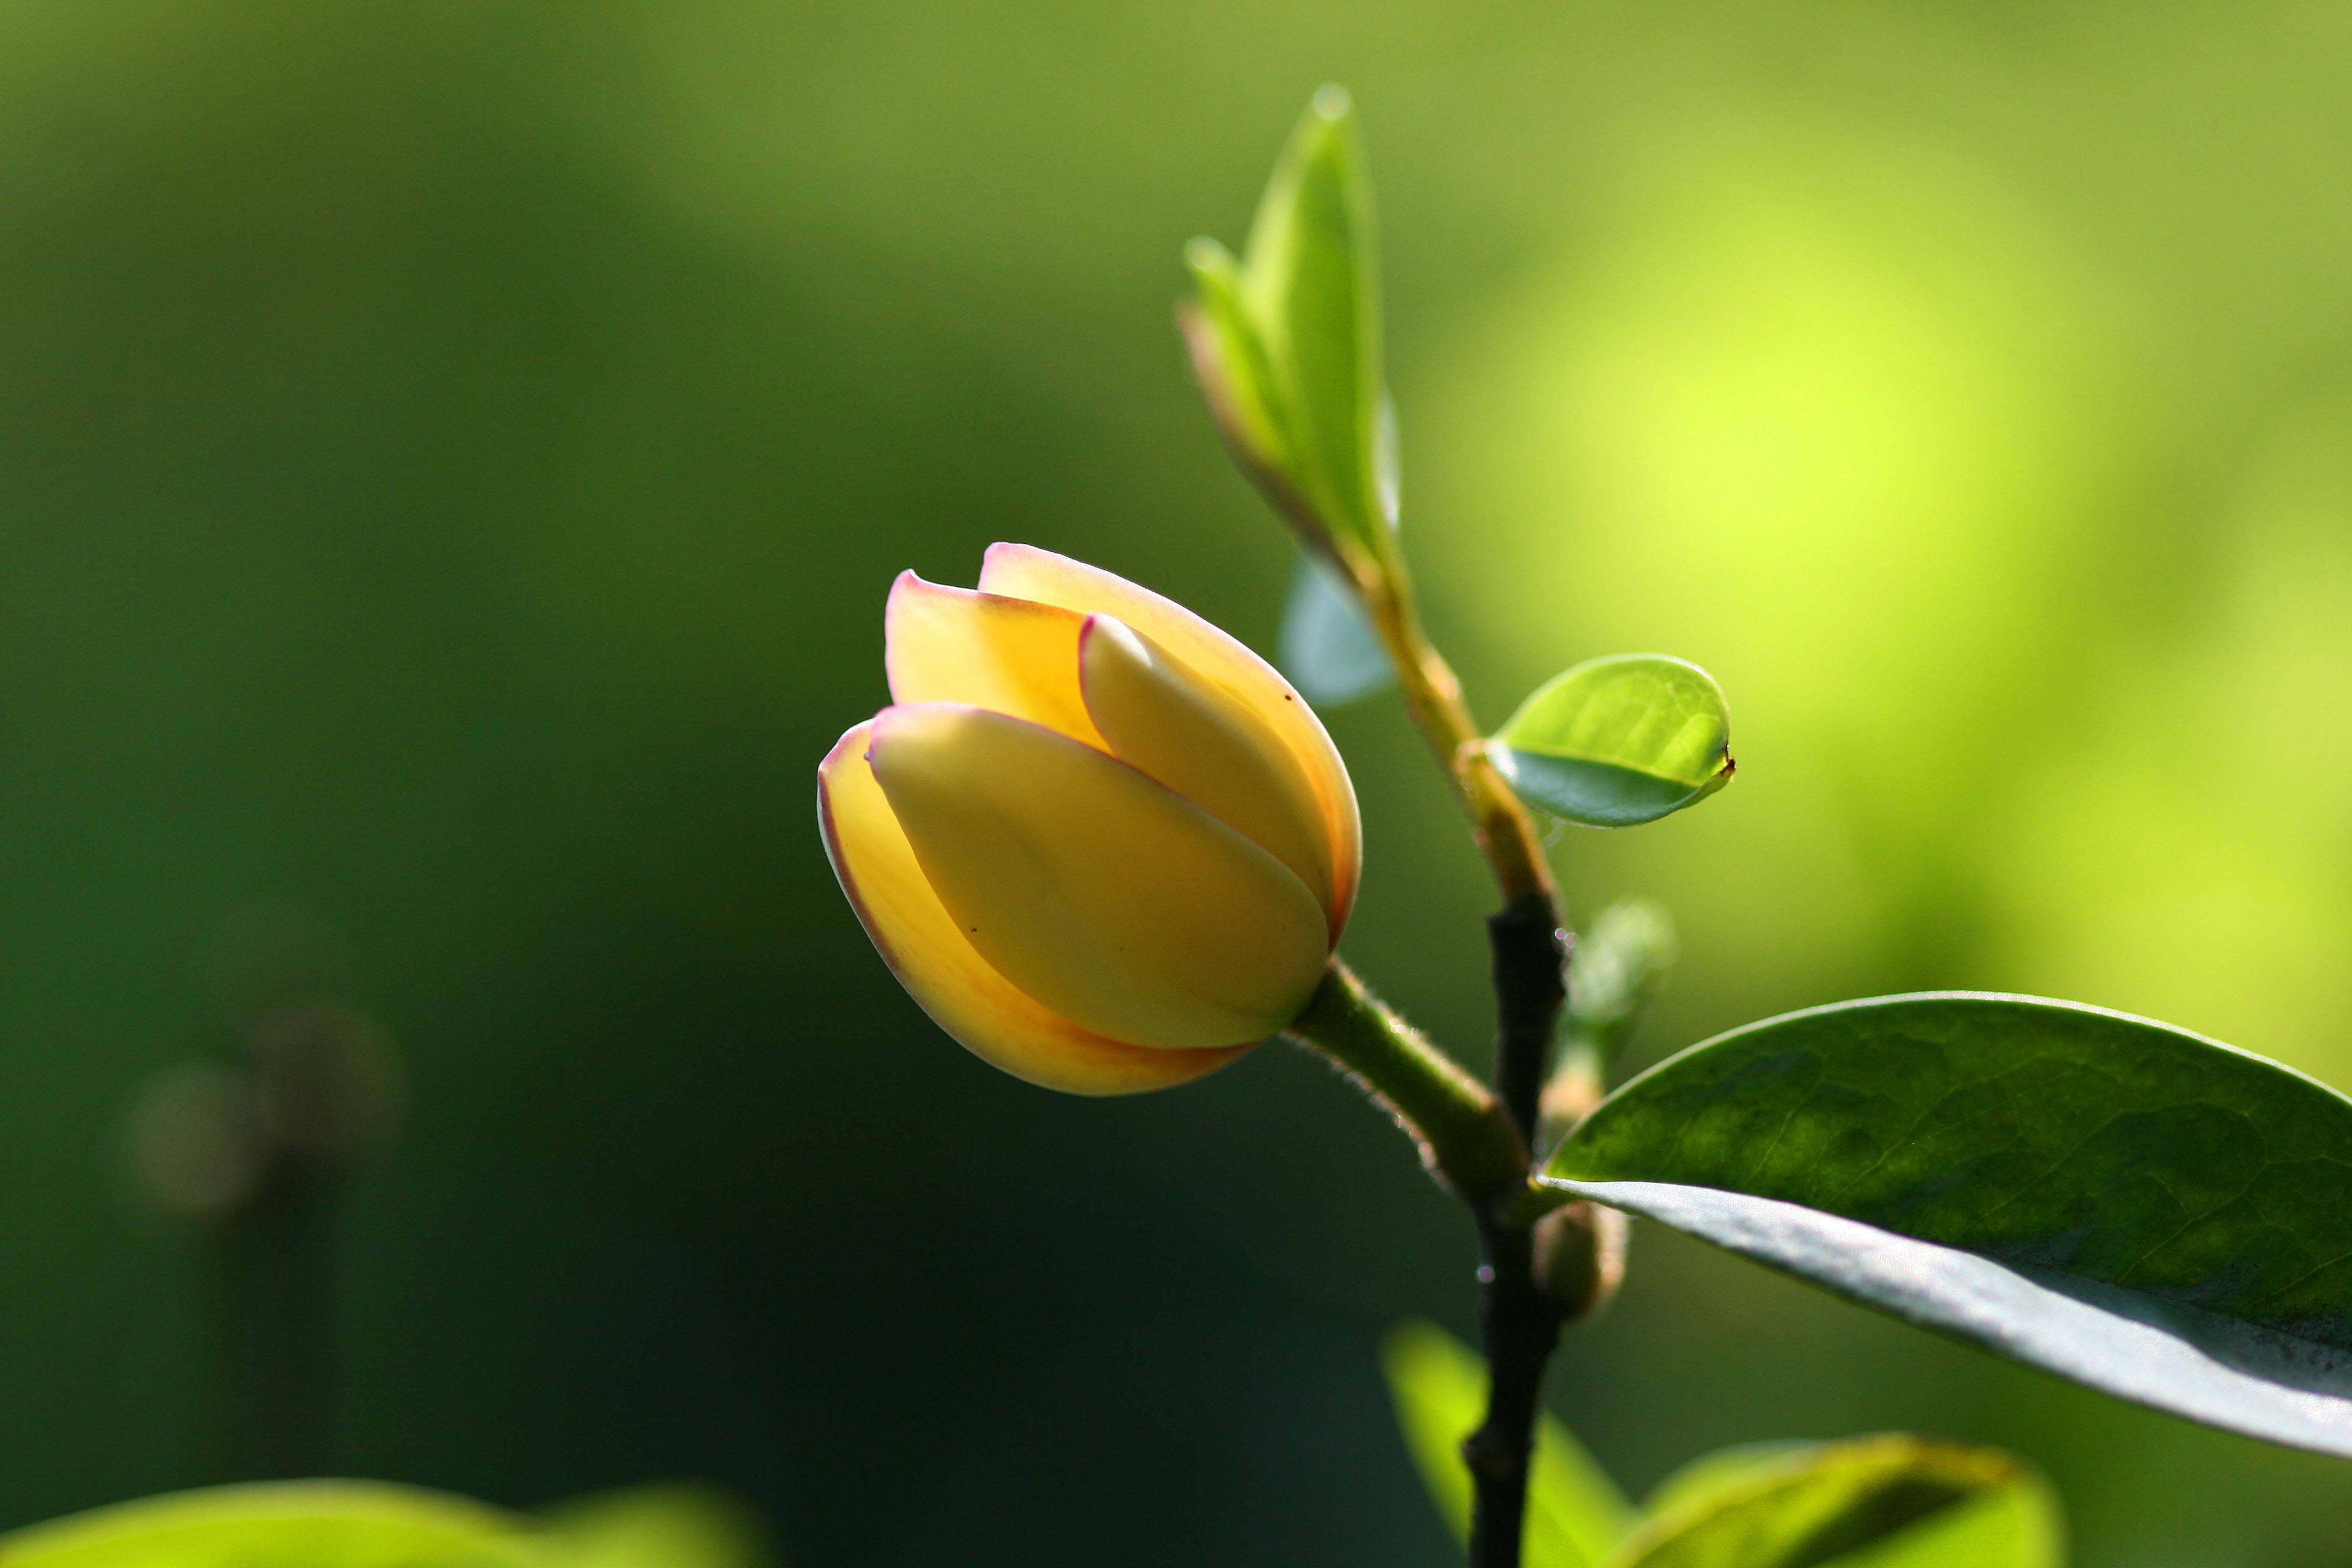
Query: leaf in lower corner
2121	1203
1872	1502
1576	1515
1615	741
280	1524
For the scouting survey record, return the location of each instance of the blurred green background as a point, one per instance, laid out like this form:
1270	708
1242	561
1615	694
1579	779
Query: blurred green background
452	456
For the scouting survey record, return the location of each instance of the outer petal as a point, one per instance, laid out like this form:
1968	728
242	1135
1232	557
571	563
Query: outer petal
920	942
1108	897
1011	656
1194	737
1022	570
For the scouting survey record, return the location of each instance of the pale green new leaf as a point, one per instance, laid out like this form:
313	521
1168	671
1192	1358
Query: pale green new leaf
1872	1502
1229	358
1310	280
1576	1515
1619	741
288	1524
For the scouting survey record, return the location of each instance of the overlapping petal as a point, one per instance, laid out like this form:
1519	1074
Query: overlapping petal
1101	893
1156	714
947	976
1024	572
1012	656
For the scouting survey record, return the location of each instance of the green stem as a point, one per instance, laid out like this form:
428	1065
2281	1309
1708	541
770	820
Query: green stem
1466	1138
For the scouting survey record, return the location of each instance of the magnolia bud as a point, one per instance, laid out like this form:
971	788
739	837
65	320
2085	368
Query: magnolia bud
1104	844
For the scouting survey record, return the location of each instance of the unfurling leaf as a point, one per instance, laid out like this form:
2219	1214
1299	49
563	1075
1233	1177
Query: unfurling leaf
1576	1515
2121	1203
1619	741
1287	343
1329	647
1884	1502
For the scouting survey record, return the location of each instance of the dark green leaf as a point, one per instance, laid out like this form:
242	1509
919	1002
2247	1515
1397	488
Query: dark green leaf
290	1524
1887	1502
2115	1201
1619	741
1329	649
1576	1515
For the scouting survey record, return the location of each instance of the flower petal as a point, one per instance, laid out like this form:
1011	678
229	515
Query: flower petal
986	1013
1011	656
1025	572
1201	743
1109	898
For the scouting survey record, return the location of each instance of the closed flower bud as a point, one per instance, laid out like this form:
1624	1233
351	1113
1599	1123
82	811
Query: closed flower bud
1101	842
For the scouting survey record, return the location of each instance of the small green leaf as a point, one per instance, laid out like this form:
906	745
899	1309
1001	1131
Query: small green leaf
283	1524
1229	359
1310	278
1619	961
1872	1502
1329	647
2115	1201
1576	1515
1287	343
656	1527
1619	741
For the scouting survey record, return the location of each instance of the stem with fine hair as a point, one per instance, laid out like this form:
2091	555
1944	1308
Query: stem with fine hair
1466	1138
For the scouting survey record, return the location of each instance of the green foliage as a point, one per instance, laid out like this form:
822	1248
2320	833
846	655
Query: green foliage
2121	1203
1330	650
288	1524
1872	1502
1287	343
1619	741
656	1527
1620	960
1576	1515
371	1524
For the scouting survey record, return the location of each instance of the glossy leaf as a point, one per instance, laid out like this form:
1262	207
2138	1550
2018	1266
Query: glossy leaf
1873	1502
290	1524
1576	1515
1619	741
2125	1203
1329	649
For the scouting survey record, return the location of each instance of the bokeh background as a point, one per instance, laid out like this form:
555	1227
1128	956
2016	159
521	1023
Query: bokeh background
452	456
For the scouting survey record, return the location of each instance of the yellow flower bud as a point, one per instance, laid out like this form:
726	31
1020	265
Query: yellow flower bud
1101	842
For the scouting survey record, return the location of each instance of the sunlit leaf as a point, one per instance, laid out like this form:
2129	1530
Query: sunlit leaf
1873	1502
2115	1201
1329	649
656	1527
1619	741
1229	359
1287	343
290	1524
1576	1515
1310	279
